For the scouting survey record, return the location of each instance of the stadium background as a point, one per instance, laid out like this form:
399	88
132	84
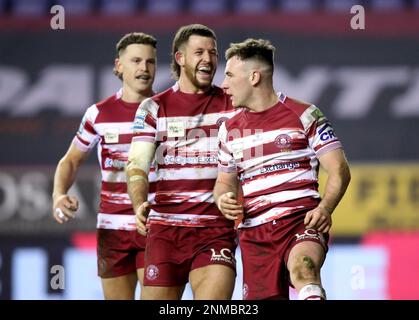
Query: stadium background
365	81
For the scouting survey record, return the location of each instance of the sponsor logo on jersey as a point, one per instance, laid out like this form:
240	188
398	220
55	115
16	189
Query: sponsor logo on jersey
114	163
280	166
268	169
139	120
326	132
138	124
175	129
224	255
317	114
190	160
309	234
112	135
141	114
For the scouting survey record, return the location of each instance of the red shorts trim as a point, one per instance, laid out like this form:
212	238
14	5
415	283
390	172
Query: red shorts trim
119	252
172	252
265	250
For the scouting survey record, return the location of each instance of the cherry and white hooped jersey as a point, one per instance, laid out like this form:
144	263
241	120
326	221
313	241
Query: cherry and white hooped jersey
109	125
275	154
184	128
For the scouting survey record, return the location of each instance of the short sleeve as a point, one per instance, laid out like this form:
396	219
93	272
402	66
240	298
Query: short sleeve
320	133
145	121
87	137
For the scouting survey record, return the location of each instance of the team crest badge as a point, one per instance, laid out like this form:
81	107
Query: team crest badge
152	272
283	141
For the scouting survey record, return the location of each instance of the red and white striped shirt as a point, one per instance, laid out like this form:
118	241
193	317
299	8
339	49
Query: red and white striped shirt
184	128
109	125
275	153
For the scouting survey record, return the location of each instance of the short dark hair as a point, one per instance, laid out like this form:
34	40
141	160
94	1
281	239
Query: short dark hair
260	49
182	36
133	38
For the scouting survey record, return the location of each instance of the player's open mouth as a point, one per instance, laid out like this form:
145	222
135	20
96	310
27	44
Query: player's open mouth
205	71
143	77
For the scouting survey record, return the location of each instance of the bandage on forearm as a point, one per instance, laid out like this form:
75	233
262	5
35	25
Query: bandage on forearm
137	177
141	155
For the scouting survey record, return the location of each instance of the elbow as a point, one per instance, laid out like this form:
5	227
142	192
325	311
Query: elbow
342	173
66	162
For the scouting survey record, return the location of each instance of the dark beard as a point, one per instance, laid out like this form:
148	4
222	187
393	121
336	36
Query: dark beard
191	75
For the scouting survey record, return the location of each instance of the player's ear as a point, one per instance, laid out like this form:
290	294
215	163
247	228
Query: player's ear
117	68
118	65
255	77
180	58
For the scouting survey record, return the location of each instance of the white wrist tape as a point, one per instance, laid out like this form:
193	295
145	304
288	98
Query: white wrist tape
312	292
137	177
60	213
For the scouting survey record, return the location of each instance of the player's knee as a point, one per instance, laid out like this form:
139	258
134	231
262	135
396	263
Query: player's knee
304	270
